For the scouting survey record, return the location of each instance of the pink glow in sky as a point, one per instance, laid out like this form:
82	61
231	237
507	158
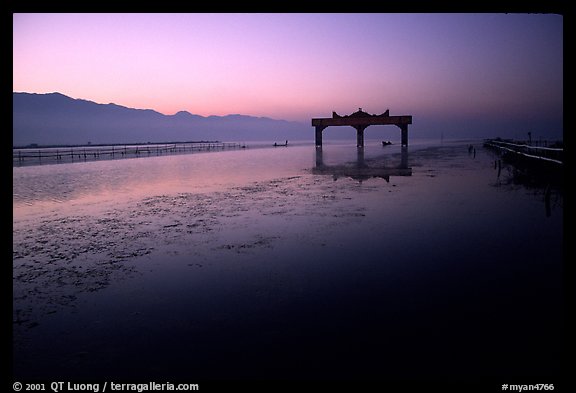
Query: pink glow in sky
297	66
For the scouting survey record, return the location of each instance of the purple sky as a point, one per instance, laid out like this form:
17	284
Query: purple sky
492	70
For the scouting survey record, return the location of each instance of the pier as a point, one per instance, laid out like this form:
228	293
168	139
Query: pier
534	166
552	156
41	155
360	120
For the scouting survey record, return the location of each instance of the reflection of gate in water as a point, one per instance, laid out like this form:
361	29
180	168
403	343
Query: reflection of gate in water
361	170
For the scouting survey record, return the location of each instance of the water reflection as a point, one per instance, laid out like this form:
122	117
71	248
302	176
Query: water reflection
544	182
37	188
363	169
345	277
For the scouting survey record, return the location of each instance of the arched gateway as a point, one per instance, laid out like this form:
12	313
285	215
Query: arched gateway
361	120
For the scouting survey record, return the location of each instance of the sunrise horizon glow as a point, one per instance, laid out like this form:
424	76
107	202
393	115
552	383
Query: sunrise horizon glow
464	69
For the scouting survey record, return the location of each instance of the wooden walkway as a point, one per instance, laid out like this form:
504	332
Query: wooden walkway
534	154
41	155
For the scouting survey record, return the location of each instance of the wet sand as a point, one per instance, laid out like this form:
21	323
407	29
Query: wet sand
298	277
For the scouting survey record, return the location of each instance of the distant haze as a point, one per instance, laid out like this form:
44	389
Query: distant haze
459	75
55	119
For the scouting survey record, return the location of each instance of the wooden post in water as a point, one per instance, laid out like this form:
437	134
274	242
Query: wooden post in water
360	135
318	135
404	136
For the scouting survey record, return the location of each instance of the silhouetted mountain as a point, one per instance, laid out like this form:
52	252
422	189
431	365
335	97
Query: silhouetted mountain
52	119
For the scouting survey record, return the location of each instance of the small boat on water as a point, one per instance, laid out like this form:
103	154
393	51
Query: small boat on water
280	144
386	143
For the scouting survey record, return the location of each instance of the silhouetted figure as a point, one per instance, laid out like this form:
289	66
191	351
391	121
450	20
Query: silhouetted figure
286	142
474	156
470	147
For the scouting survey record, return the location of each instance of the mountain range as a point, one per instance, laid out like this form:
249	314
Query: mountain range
56	119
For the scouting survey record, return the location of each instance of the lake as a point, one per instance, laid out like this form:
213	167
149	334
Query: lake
287	263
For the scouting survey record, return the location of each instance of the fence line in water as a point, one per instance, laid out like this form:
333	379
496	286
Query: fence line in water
549	154
41	155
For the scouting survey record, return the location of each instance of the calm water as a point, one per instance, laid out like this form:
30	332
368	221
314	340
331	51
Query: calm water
275	263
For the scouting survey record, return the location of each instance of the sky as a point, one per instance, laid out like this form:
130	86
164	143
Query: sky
472	74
